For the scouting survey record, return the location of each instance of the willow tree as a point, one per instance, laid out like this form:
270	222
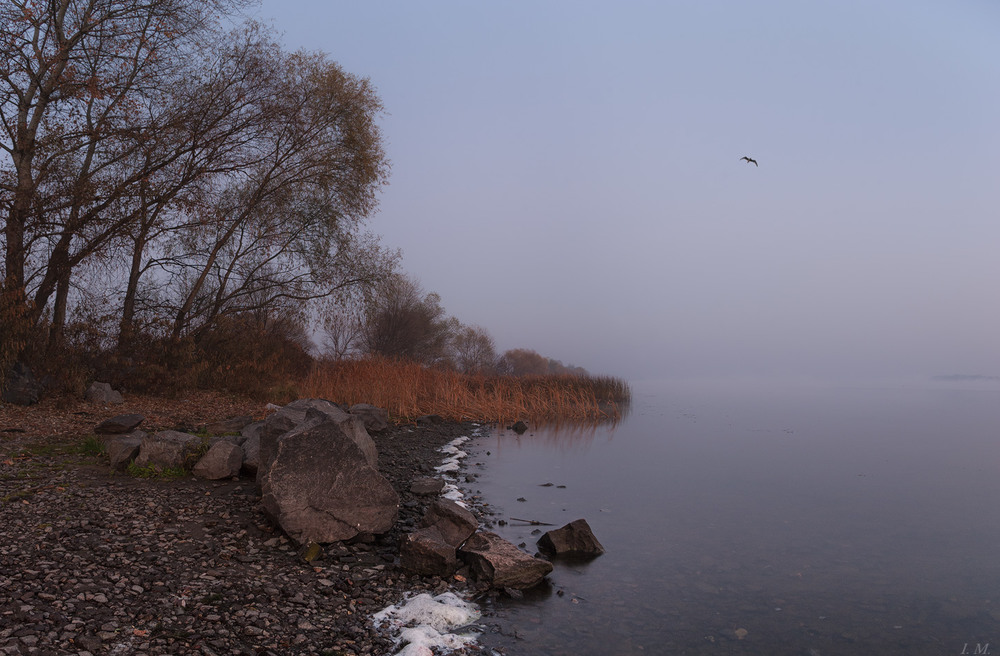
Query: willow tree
285	226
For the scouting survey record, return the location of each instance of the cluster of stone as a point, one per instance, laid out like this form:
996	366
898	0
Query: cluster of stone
315	464
449	535
316	469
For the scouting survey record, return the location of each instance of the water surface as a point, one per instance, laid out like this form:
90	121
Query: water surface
746	518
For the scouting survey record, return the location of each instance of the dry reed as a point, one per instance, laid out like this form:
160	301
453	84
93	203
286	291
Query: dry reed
408	390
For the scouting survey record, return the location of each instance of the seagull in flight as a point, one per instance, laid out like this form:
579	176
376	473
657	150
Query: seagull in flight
749	160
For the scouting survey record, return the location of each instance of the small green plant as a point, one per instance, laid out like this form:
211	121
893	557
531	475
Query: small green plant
152	471
192	457
92	446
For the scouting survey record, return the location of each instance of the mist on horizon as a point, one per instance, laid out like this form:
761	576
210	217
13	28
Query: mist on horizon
569	176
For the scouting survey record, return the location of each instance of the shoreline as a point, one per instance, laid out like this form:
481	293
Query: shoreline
93	562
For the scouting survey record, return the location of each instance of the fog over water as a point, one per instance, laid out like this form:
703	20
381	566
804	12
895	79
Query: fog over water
775	519
568	175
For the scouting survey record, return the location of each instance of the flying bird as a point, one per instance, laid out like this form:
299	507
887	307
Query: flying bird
750	160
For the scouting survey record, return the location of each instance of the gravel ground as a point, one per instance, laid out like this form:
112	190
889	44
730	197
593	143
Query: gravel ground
93	562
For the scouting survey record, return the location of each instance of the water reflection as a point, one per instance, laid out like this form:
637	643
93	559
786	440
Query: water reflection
566	434
829	521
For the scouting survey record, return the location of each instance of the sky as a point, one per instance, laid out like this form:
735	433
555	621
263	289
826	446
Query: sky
567	175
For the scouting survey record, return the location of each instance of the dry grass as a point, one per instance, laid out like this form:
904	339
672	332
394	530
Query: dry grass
407	390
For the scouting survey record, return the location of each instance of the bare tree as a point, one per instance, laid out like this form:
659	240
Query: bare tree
285	224
79	84
403	322
525	362
227	175
474	351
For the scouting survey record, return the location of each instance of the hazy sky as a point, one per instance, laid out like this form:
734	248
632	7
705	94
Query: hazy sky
567	175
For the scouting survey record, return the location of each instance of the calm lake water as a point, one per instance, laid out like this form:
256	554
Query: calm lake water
762	519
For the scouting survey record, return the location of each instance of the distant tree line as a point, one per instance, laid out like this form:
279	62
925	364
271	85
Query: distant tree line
400	320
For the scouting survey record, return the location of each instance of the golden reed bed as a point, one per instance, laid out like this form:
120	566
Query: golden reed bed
408	390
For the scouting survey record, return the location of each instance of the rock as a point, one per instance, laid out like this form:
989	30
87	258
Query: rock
574	539
21	388
119	424
167	449
320	485
303	412
454	522
102	393
232	439
376	419
426	485
223	460
426	552
501	564
518	427
251	447
310	552
227	426
123	449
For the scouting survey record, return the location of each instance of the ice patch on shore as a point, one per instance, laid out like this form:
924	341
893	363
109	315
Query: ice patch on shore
423	623
451	465
454	460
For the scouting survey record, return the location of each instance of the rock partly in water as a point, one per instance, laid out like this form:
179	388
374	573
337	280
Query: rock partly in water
102	393
119	425
454	522
574	540
518	427
425	552
320	485
223	460
501	564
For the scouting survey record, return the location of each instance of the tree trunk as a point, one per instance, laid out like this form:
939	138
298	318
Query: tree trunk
59	313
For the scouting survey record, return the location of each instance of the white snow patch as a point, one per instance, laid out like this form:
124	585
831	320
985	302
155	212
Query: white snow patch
423	623
454	460
452	492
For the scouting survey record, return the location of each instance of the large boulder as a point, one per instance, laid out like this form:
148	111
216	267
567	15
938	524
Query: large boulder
501	564
223	460
251	447
167	449
426	552
102	393
310	412
122	450
454	522
21	387
575	540
119	425
320	485
376	419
